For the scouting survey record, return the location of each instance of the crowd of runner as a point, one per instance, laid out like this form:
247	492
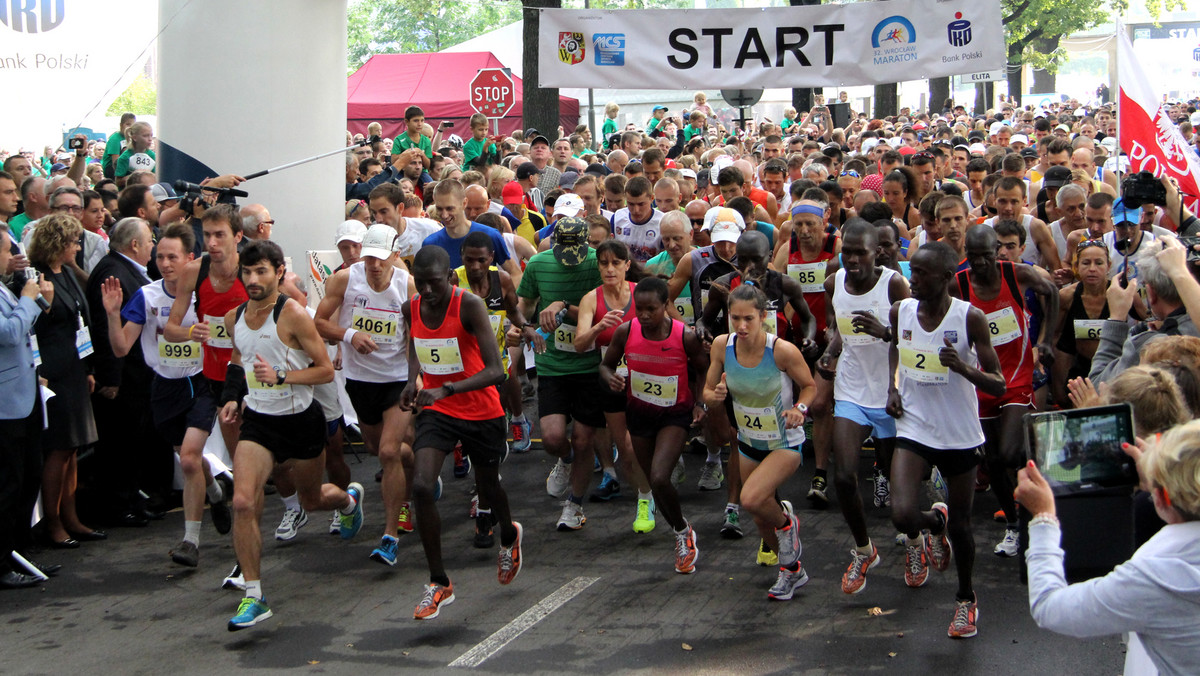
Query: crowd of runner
911	285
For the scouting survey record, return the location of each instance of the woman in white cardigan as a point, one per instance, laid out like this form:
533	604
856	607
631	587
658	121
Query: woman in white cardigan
1156	594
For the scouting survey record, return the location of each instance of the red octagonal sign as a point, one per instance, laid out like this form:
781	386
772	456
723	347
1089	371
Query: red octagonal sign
492	92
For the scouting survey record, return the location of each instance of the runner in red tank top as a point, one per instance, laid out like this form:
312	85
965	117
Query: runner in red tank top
662	399
452	343
998	289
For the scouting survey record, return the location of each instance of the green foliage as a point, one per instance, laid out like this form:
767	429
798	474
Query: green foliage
140	98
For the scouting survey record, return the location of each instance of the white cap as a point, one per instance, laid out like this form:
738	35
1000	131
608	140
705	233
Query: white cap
350	230
1079	112
1109	143
720	163
1063	127
380	241
1019	138
726	225
869	144
895	141
568	204
977	148
722	213
995	128
687	173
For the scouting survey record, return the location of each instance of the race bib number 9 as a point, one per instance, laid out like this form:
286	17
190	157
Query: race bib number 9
1088	329
657	390
1003	326
923	365
439	356
181	355
810	275
686	310
383	326
760	424
218	335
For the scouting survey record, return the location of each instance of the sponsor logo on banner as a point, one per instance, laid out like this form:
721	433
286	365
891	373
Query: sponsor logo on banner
894	40
959	31
1196	53
570	48
32	16
609	49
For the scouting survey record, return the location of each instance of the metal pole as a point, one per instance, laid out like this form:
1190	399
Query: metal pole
587	4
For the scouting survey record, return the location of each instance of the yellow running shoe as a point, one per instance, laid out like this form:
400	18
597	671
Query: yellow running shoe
766	557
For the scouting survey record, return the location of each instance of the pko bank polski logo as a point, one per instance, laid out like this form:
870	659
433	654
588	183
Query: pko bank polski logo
32	16
894	40
609	49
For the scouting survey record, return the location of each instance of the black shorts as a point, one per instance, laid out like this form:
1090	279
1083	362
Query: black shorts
370	400
177	404
611	402
950	462
759	454
296	436
643	424
576	396
483	441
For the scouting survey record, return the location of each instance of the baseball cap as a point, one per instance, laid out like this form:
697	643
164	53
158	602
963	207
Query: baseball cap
567	179
1019	138
538	139
1056	177
163	192
1121	212
512	193
1063	127
570	240
1029	153
597	169
380	241
919	126
1110	143
726	225
906	150
568	204
526	170
58	166
995	128
720	163
350	230
977	148
658	108
687	173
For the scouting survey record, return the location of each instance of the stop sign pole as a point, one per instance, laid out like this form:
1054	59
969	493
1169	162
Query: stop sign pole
491	93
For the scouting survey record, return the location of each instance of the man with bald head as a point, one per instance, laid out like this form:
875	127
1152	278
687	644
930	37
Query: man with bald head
695	211
1085	160
256	224
477	202
617	160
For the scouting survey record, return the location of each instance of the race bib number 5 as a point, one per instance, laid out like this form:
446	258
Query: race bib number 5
439	356
381	325
923	365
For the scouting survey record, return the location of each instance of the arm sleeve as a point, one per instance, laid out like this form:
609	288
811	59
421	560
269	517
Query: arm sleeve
15	326
1106	363
135	310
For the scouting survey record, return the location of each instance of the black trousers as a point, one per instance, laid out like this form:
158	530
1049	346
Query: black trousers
130	454
20	480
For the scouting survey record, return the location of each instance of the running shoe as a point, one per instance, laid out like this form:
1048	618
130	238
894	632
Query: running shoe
644	523
250	612
608	489
711	477
335	525
235	580
484	530
679	473
186	554
222	516
937	486
520	436
789	541
559	481
474	510
855	579
508	563
1010	545
765	556
352	522
916	566
572	516
883	490
731	529
937	547
291	523
404	523
437	490
386	551
432	600
816	492
966	614
787	583
686	552
983	482
462	463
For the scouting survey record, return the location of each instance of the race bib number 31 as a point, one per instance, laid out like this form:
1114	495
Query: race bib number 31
439	356
923	365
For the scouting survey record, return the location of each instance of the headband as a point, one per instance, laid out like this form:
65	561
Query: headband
808	209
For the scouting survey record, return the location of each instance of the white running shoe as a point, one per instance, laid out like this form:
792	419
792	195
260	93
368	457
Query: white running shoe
1010	545
291	523
559	481
572	516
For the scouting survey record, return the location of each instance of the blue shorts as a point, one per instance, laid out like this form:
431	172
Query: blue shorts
883	426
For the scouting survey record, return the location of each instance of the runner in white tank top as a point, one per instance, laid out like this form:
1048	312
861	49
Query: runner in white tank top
934	401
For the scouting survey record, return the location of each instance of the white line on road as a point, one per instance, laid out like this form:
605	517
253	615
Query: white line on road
492	644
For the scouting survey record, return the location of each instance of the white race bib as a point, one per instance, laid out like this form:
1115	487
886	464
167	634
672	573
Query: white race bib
1003	326
218	335
382	325
657	390
923	365
83	340
686	310
141	162
182	355
261	390
37	351
1088	329
439	356
760	424
845	325
810	275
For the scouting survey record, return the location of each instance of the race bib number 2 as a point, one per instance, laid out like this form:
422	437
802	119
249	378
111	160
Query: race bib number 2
923	365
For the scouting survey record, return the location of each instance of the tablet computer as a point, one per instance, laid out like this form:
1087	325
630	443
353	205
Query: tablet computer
1080	449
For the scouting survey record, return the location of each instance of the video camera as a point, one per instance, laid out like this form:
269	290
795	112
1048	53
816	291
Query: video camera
1143	188
190	193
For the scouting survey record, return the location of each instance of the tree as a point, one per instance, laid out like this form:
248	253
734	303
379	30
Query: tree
140	98
412	26
539	105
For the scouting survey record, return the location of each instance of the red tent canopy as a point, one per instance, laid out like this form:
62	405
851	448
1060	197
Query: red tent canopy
386	84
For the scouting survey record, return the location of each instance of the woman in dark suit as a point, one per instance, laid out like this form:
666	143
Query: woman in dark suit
65	343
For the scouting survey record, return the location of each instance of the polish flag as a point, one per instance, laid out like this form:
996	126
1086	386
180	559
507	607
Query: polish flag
1153	142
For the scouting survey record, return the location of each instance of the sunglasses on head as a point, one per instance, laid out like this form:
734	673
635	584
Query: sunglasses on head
850	172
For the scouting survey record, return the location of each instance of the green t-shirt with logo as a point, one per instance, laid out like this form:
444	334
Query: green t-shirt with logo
114	146
473	149
403	142
130	162
549	281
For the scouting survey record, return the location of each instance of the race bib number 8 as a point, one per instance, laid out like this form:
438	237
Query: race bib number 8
923	365
181	355
381	325
439	356
218	335
657	390
1003	326
810	275
760	424
1088	329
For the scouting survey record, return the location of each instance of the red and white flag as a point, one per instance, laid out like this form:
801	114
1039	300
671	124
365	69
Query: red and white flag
1153	142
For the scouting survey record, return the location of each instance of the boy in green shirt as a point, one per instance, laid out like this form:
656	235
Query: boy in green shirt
479	145
414	118
653	124
695	126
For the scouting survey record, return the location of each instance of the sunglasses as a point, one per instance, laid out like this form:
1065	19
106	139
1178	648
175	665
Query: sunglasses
850	172
1085	243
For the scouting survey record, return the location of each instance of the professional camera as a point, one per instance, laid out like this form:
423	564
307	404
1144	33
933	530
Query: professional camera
1143	188
190	194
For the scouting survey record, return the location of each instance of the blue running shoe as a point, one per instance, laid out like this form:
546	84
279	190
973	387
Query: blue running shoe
352	522
462	463
520	436
437	492
386	551
250	612
608	489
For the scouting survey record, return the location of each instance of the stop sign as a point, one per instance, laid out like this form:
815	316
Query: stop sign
492	92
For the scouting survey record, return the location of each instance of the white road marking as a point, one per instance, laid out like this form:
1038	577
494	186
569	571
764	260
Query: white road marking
494	643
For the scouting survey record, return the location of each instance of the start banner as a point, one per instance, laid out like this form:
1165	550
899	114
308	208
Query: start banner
815	46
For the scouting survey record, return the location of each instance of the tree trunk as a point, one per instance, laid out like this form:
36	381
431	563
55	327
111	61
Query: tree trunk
885	100
939	91
1044	80
1015	85
983	97
539	104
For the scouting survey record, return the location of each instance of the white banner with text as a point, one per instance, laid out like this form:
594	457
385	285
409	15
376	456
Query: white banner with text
826	45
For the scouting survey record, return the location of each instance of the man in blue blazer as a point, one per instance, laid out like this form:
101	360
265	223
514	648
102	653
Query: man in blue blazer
20	417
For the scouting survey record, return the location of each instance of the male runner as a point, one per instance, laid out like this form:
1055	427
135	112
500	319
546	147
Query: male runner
361	310
277	358
453	345
931	392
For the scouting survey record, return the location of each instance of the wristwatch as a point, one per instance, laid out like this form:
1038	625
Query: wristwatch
280	375
449	387
802	407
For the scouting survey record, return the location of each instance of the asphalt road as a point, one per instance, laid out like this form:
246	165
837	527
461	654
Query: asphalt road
615	602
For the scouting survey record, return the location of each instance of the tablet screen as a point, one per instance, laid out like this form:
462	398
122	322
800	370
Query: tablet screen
1081	448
